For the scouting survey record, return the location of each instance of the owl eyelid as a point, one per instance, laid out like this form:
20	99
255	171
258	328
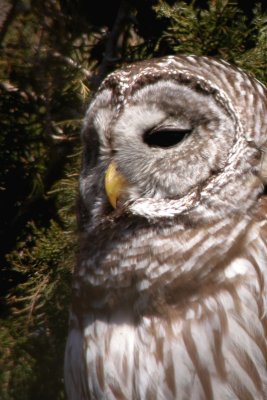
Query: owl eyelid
165	136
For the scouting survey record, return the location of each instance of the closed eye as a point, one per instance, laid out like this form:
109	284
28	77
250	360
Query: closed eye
165	137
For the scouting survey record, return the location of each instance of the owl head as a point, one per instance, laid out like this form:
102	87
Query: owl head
179	135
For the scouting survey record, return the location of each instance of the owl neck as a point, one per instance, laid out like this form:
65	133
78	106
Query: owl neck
148	267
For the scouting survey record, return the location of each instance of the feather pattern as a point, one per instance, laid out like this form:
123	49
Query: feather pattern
169	290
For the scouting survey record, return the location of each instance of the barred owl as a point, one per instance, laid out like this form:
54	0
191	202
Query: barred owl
169	291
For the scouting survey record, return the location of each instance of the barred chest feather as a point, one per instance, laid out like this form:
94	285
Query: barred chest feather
206	342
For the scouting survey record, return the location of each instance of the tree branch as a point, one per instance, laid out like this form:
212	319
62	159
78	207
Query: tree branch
8	13
111	54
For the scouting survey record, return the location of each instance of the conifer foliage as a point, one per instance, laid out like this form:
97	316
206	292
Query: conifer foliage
53	55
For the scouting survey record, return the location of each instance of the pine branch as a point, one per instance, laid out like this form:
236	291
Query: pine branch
69	61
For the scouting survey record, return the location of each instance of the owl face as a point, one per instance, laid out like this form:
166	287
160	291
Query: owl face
155	138
169	131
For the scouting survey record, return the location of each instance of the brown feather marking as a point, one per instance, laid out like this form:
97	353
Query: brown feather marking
247	364
257	337
159	349
100	372
262	210
117	392
150	394
217	352
223	319
170	378
125	368
201	370
241	392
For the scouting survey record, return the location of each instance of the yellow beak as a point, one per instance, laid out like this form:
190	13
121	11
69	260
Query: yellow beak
114	184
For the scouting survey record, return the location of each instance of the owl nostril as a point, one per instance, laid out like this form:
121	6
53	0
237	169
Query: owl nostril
165	137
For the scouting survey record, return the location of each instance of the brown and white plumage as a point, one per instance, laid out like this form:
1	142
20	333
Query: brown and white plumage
169	292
